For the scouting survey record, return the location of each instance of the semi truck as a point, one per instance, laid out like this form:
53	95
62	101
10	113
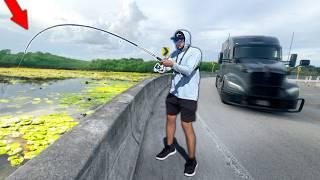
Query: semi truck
253	74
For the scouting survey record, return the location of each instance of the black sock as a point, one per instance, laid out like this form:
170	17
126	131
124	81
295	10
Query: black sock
171	146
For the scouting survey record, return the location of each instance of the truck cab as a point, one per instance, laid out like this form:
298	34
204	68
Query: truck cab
252	73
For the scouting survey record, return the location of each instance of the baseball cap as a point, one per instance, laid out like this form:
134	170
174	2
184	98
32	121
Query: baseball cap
178	36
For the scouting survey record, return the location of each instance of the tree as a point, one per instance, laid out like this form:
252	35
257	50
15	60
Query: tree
5	52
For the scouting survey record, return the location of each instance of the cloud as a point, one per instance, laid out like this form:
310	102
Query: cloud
151	23
126	24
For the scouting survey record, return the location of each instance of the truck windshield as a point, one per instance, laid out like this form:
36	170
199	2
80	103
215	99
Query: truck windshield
261	52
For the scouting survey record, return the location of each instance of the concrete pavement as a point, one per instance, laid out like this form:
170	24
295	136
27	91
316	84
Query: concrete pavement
239	143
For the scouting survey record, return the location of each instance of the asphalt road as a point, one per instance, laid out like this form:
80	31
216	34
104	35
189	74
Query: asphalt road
239	143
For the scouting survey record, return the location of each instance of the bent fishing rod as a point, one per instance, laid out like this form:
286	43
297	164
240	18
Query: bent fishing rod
89	27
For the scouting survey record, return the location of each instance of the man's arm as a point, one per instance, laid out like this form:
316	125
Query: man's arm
193	63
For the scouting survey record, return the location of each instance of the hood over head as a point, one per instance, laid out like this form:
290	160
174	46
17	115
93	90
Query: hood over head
183	34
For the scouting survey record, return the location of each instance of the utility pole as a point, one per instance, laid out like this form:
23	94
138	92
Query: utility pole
290	46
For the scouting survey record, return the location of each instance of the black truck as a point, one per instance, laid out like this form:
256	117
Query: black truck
253	74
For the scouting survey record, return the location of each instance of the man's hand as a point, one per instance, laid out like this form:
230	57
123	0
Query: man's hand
167	62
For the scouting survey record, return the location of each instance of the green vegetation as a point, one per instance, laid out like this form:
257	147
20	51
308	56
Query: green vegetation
9	74
307	71
40	60
49	61
24	137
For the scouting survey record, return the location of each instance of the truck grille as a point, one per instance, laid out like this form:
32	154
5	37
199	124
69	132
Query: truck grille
266	84
265	91
267	79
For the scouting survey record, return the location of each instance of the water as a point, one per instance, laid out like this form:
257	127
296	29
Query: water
75	97
24	98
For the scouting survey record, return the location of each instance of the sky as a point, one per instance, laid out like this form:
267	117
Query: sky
151	24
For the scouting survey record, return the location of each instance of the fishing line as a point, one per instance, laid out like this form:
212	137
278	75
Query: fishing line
89	27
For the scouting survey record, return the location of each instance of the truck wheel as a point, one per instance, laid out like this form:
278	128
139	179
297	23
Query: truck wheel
219	84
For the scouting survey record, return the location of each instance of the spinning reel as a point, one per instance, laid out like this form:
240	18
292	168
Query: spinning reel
159	67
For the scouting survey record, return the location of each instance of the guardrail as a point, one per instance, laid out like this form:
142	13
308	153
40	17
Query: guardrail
104	146
309	80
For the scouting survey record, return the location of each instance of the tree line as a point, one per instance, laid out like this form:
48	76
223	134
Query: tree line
47	60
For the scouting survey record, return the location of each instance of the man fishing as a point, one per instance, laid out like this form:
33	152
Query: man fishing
183	97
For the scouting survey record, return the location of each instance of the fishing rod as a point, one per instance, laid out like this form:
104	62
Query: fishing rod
89	27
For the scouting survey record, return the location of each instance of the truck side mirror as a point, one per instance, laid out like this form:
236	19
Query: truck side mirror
220	58
304	62
293	60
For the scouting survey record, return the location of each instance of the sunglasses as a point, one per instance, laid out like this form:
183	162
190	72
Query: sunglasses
178	40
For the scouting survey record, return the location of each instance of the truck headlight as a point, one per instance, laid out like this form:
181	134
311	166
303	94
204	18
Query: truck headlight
234	86
293	91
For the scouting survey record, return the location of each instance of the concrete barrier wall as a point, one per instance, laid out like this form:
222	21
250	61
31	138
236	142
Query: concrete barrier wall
104	146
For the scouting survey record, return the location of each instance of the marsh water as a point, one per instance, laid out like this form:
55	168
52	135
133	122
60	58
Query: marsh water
75	97
36	98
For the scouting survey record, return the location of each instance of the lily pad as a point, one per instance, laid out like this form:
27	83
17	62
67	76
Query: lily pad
3	150
15	160
36	101
4	101
30	154
3	143
49	102
14	149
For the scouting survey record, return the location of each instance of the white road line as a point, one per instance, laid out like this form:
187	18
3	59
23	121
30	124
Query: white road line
229	157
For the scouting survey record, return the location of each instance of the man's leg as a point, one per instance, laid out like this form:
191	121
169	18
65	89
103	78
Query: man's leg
191	164
170	128
190	138
172	109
